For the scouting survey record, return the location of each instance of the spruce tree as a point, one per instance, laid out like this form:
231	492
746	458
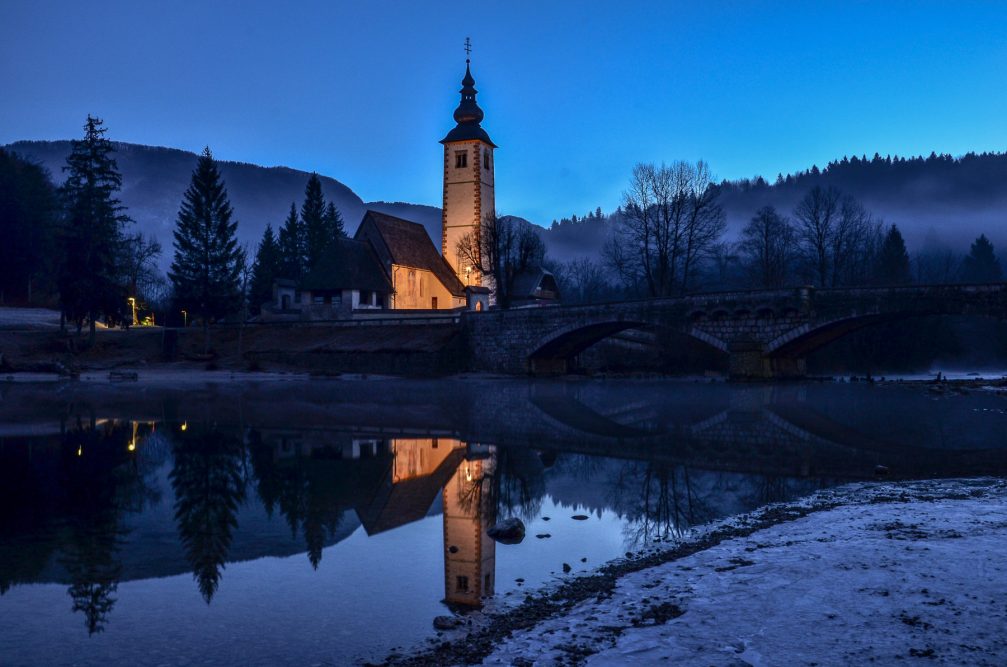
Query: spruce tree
893	260
334	221
90	276
265	270
207	265
317	234
291	244
981	264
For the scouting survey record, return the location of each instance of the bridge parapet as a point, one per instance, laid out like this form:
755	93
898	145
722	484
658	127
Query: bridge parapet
766	333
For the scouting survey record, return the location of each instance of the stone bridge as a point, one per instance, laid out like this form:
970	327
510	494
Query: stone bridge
765	333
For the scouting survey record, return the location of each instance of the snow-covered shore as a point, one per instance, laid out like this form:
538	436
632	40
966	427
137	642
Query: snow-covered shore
867	573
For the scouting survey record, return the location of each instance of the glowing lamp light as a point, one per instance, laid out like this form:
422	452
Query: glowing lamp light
80	450
132	306
131	447
184	427
468	473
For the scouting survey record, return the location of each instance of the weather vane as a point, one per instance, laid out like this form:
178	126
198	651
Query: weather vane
468	47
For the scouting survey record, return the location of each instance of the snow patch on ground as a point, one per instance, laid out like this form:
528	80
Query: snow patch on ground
28	318
904	573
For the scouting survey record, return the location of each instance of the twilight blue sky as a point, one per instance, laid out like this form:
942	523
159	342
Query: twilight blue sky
574	92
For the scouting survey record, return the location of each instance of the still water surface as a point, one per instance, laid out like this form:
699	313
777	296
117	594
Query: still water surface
327	522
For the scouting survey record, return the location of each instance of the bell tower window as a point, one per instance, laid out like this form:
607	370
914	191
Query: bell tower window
486	160
461	159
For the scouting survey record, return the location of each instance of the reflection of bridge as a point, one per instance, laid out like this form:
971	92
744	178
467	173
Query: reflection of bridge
764	333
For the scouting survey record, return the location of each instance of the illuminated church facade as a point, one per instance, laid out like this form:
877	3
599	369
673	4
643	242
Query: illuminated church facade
391	263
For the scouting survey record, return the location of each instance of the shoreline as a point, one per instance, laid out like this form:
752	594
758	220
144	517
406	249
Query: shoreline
580	614
183	373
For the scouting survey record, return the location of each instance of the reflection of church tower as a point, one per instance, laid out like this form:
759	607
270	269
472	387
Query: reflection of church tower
469	554
468	183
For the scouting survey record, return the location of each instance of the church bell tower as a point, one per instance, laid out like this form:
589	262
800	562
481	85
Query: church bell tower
468	185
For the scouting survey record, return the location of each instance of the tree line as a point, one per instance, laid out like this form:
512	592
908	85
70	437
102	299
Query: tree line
667	238
72	247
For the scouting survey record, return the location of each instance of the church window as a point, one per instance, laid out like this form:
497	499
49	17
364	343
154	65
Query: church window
462	585
486	159
461	159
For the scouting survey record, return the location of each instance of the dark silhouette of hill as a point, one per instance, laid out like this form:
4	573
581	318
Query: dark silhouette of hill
938	199
154	178
954	198
934	200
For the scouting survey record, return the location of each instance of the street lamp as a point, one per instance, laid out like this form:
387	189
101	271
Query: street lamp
132	306
185	319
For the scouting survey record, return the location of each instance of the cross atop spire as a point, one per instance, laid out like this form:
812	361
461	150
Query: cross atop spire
468	48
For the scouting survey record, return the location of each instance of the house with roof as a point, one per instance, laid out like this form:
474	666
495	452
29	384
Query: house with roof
534	286
347	277
420	277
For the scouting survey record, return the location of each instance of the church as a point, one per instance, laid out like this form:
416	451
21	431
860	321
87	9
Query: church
391	263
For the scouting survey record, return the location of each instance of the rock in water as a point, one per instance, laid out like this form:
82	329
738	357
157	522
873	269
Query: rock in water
580	517
566	567
508	531
446	622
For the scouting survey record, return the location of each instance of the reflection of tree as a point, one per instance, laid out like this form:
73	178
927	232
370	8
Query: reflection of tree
516	483
91	559
659	499
97	477
305	489
208	485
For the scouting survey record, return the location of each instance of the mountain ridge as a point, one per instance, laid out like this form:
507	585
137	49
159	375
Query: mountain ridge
937	200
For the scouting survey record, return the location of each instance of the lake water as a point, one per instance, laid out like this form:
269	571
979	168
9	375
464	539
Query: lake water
328	522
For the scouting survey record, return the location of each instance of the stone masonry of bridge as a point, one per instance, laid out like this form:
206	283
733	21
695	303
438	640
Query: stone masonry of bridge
765	333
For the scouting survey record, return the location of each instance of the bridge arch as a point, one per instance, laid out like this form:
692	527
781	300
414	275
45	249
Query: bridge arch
811	336
554	352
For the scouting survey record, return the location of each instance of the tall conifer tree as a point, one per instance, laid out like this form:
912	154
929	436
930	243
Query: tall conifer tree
334	221
90	277
266	269
207	265
893	260
981	264
291	242
314	222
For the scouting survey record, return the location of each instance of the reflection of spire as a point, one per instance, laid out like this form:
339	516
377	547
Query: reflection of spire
469	554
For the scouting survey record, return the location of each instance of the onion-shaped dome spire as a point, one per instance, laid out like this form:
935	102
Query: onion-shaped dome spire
468	115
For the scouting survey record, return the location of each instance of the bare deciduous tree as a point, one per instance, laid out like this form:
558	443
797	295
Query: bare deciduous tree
140	264
504	248
670	219
816	217
767	246
583	281
837	237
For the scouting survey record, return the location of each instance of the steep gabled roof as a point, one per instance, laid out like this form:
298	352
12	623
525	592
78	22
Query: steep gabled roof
528	282
409	245
347	264
397	504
